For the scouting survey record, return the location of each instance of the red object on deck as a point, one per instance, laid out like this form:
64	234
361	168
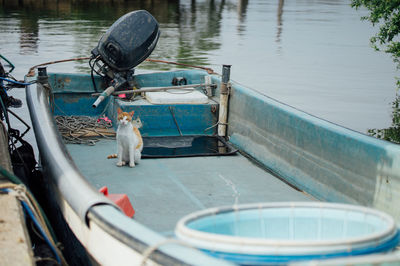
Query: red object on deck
121	200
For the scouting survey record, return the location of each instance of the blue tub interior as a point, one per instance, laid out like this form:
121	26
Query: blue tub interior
291	224
287	234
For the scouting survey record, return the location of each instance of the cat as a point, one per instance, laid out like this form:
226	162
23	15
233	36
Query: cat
129	139
137	123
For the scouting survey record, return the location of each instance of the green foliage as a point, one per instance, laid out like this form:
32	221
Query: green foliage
386	14
392	133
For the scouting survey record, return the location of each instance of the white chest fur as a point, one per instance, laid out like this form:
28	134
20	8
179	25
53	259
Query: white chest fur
126	144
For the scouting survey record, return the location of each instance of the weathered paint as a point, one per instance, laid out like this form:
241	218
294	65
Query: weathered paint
158	120
328	161
77	104
72	95
165	78
74	83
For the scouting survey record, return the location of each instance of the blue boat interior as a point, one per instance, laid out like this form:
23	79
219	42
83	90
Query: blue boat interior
173	185
74	97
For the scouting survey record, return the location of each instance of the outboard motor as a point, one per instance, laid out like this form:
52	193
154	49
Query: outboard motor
127	43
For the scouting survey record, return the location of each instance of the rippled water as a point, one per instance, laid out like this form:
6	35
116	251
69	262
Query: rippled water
311	54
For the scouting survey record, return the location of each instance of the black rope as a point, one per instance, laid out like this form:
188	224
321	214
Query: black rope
91	74
22	121
176	122
4	110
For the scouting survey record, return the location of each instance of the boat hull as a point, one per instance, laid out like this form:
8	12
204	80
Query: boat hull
324	160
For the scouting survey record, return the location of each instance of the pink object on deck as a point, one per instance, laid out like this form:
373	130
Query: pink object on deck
105	118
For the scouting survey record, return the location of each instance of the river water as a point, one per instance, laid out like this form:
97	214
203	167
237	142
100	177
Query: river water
311	54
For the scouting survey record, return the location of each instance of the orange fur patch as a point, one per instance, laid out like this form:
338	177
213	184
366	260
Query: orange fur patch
137	132
121	116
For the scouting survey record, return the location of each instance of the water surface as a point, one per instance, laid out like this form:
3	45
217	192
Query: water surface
311	54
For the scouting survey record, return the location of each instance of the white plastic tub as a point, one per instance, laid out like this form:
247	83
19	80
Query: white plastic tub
271	233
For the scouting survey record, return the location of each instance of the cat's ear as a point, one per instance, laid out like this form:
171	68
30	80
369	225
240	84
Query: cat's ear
119	110
131	113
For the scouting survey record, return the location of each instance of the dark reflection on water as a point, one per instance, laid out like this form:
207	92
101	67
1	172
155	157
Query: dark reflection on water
242	10
313	55
186	36
29	35
279	23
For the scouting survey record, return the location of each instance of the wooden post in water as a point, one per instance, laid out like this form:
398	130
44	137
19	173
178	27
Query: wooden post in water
224	101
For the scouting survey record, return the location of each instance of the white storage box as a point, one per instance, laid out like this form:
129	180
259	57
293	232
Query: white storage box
175	96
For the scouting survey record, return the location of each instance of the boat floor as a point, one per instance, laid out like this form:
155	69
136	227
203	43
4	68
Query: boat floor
164	190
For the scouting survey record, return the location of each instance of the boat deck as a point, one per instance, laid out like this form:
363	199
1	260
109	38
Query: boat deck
164	190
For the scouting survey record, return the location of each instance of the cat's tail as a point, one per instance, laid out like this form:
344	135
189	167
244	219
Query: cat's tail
112	156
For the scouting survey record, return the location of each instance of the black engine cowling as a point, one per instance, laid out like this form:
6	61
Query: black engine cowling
129	41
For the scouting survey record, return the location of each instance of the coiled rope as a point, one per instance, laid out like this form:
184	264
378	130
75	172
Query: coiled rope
83	129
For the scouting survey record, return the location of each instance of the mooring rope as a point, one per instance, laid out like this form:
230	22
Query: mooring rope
27	199
153	248
83	129
31	71
209	70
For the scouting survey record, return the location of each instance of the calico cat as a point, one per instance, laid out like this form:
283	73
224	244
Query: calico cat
129	139
137	123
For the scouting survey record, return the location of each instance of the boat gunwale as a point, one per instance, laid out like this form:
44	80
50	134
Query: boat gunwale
313	154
